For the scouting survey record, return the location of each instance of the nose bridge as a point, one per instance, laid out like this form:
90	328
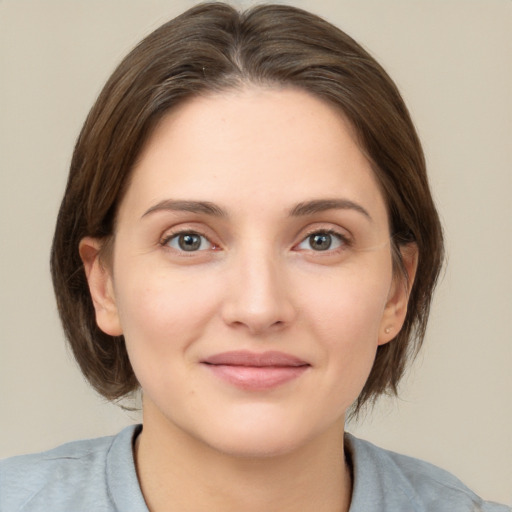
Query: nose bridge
259	296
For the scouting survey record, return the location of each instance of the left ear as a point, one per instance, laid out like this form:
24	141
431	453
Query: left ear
398	298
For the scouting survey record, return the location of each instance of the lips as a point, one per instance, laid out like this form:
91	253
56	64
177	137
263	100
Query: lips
256	371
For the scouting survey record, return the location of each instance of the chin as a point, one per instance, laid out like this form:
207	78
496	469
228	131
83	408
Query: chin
260	437
259	446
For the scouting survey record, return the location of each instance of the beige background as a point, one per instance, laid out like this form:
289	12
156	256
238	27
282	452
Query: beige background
452	61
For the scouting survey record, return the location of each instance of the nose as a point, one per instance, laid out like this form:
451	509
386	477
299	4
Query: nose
259	296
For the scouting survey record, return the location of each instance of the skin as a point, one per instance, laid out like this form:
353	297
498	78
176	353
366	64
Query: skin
257	282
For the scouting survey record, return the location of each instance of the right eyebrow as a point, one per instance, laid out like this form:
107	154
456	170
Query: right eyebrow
204	207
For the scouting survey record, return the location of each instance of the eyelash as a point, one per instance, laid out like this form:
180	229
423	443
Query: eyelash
344	241
175	235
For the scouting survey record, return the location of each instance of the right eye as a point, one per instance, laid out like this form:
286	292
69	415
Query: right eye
188	241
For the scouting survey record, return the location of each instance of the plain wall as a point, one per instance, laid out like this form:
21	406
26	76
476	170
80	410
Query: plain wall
452	61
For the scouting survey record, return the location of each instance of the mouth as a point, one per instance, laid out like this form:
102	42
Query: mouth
256	371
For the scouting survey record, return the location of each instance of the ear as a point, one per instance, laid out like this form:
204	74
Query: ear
398	298
101	286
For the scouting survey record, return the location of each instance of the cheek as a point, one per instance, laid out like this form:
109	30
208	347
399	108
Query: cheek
344	314
162	313
349	304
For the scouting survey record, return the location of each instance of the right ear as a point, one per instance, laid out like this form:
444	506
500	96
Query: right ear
101	288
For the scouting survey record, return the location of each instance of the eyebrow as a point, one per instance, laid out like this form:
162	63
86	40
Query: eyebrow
321	205
187	206
299	210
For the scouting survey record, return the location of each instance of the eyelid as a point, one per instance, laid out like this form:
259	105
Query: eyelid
341	242
171	233
177	236
342	234
328	228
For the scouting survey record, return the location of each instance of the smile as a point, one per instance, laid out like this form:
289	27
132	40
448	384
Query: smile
256	371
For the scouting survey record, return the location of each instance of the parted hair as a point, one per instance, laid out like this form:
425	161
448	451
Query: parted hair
212	48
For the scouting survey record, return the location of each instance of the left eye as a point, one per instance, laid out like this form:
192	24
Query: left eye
188	242
321	241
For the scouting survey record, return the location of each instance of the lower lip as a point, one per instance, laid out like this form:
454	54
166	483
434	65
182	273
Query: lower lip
257	378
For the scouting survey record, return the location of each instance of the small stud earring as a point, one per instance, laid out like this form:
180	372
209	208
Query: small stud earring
387	330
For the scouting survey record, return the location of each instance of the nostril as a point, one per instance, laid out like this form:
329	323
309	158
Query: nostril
257	300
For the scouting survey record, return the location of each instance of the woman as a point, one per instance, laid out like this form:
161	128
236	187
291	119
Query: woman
248	235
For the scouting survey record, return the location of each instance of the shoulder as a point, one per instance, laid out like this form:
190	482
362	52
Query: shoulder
403	483
74	476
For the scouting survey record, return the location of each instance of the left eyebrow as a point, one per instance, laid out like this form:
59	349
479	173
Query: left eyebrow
204	207
321	205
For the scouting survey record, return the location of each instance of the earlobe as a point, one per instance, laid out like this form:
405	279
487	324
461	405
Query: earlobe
398	298
101	287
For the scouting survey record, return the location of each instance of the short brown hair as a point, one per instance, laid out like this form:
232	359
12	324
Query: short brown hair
213	47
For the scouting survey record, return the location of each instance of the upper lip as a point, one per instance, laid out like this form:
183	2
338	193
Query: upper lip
261	359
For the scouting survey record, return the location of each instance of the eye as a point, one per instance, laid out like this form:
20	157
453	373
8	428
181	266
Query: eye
323	241
188	241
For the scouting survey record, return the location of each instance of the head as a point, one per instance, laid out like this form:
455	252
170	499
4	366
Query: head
213	49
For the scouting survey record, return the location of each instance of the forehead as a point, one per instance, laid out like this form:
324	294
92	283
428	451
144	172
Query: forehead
275	145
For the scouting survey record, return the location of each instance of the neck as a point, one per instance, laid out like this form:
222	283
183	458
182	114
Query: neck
178	472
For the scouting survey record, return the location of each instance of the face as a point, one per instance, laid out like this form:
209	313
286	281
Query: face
251	273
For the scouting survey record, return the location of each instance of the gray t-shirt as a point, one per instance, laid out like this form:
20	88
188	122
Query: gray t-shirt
99	475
